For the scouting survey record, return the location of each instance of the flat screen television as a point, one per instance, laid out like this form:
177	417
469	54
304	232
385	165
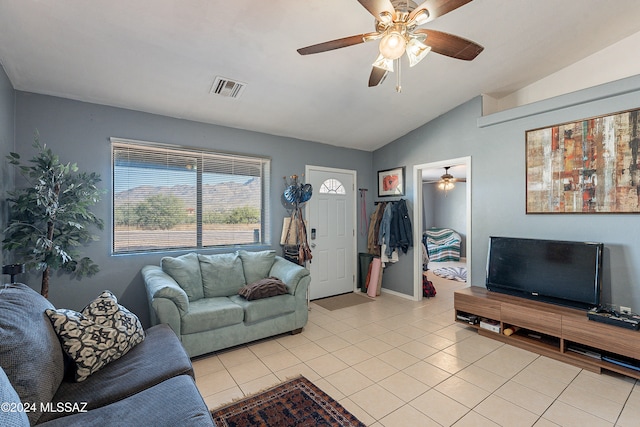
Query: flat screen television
560	272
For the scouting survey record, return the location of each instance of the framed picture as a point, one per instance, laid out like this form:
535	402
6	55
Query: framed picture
391	182
587	166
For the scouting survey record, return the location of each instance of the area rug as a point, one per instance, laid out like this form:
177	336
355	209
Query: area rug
296	402
342	301
452	273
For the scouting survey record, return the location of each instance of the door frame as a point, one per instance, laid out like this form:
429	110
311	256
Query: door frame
354	174
417	218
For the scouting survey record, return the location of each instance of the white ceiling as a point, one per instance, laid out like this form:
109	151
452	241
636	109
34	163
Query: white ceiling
161	56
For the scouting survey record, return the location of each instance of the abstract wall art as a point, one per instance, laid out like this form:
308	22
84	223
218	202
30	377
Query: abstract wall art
588	166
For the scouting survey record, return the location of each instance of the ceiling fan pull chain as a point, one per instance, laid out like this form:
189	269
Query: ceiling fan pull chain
399	76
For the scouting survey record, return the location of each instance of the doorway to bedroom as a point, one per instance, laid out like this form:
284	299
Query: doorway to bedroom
442	215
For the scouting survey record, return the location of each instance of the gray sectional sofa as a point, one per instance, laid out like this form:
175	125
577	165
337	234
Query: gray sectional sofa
151	384
197	295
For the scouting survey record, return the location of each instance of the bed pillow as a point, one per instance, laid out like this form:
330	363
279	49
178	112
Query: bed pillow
103	332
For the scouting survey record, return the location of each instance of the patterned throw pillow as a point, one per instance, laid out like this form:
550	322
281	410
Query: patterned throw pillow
103	332
263	288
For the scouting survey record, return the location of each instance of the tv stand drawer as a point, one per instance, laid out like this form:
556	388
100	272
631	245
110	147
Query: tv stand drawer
532	318
613	338
483	307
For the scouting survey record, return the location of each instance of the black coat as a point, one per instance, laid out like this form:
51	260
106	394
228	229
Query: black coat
401	235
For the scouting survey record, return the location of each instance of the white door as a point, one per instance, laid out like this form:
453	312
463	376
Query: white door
331	227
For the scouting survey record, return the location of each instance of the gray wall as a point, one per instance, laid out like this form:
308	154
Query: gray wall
498	199
446	210
79	132
7	116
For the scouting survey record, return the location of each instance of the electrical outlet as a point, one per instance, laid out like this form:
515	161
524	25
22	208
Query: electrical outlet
625	310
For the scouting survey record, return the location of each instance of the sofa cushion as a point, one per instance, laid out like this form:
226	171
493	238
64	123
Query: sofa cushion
160	286
185	270
263	288
267	308
30	353
222	274
174	402
256	265
103	332
159	357
211	313
8	396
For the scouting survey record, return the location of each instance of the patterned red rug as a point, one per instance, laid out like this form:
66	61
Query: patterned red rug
296	402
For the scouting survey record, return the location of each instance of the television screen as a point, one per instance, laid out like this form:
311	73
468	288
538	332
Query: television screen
560	272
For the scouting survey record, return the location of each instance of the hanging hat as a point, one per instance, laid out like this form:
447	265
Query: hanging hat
306	193
291	194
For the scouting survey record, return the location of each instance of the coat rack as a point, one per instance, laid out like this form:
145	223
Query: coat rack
295	244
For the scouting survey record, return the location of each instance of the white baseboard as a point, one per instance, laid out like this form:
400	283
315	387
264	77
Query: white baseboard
398	294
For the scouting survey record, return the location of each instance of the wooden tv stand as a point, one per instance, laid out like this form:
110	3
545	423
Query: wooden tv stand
550	330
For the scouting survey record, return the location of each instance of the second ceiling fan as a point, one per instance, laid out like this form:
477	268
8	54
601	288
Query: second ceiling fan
396	27
447	181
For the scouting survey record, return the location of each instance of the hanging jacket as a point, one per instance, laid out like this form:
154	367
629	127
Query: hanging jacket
374	229
384	236
400	235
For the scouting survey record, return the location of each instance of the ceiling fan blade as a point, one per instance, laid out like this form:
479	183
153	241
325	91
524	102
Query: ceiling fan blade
379	9
438	181
377	76
437	8
335	44
451	45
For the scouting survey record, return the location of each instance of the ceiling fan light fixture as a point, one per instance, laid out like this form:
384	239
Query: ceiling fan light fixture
386	17
393	45
371	37
446	185
421	17
447	181
416	51
383	63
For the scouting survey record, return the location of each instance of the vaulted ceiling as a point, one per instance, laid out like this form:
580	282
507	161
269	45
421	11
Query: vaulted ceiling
162	56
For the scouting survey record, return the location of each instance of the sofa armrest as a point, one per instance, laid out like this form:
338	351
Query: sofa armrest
167	300
291	274
160	285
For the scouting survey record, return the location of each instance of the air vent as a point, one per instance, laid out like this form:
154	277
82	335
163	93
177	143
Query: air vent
226	87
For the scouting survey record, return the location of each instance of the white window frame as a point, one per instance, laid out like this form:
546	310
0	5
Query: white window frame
264	163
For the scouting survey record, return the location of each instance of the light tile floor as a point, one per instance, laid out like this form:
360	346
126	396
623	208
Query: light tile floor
395	362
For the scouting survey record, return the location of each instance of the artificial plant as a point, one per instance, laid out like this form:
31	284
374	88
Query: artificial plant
49	220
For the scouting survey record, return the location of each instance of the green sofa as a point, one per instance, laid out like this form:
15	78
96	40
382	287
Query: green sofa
197	296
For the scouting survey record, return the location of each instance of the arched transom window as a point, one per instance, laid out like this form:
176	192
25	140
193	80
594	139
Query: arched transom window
332	186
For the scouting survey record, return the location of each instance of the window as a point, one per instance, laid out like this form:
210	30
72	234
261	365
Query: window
167	197
332	186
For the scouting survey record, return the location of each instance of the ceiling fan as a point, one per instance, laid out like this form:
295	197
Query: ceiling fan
447	181
396	27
